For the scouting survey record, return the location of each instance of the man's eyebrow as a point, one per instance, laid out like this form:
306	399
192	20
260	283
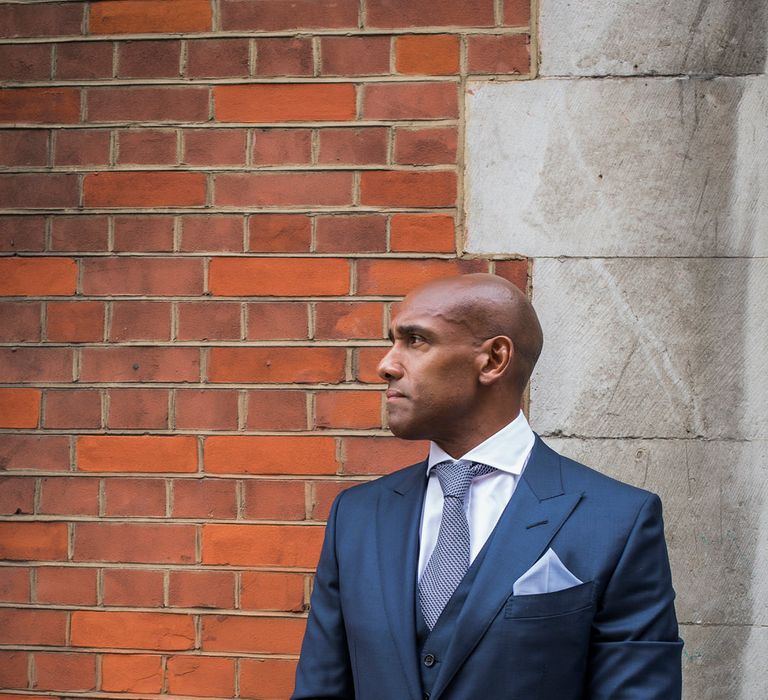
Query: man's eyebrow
412	329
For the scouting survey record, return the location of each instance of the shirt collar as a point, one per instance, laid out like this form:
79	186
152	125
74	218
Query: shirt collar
507	450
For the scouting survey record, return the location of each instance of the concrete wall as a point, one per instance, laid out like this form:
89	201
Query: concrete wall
643	202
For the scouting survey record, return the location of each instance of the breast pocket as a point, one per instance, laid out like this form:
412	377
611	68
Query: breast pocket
568	601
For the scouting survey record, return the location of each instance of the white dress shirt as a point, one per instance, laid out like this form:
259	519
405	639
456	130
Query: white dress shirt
508	451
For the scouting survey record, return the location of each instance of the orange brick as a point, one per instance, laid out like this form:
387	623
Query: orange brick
381	455
423	233
283	189
202	589
425	146
277	409
204	498
400	276
266	454
136	453
34	452
274	500
348	409
44	105
14	585
276	364
75	321
351	234
284	103
339	320
236	633
33	627
72	408
261	545
144	189
355	55
278	277
13	670
134	497
66	585
408	189
37	276
500	53
201	675
366	360
30	541
132	630
324	494
135	543
19	408
277	320
267	678
426	13
279	233
131	673
140	364
63	672
411	101
133	587
147	16
269	15
436	54
69	495
270	590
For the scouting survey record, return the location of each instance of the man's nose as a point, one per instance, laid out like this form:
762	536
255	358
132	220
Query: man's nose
389	366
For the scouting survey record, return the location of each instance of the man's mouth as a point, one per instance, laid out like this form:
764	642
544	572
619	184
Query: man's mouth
394	394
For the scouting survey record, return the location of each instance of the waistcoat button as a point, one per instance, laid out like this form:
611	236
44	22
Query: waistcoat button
429	660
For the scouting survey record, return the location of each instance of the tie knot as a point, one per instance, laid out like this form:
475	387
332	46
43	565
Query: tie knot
455	477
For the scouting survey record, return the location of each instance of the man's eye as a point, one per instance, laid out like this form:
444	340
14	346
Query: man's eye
415	339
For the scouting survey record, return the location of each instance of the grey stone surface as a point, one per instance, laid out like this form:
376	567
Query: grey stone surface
618	167
630	37
652	348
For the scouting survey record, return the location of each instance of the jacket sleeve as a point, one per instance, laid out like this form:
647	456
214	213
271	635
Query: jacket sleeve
635	651
324	670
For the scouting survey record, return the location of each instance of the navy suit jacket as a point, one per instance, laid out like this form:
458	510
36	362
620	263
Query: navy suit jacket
614	637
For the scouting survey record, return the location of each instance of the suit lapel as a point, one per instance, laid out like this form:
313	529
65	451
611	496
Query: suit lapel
535	513
398	519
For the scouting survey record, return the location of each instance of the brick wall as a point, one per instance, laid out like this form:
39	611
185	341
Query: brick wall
209	207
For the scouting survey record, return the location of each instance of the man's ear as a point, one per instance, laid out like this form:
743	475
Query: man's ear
495	358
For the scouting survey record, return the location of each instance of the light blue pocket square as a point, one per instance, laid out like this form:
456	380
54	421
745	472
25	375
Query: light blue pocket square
547	575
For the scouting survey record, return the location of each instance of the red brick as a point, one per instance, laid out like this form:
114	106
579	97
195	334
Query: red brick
271	590
131	673
140	320
348	409
501	53
43	627
49	105
38	20
209	320
425	146
137	453
84	60
274	500
75	321
214	146
23	147
355	55
134	497
149	59
65	672
29	541
339	320
13	669
324	494
270	15
79	233
21	233
212	233
277	409
139	276
422	233
66	585
144	189
201	676
277	364
69	495
133	587
277	320
14	585
132	630
397	277
289	56
134	543
364	146
285	103
138	408
140	364
37	276
411	101
282	146
206	409
279	233
278	276
81	147
217	58
163	104
25	62
17	495
351	234
267	678
517	13
261	454
204	498
237	633
143	233
20	321
419	54
516	271
19	408
147	146
424	13
38	190
72	408
283	189
381	455
202	589
400	188
36	364
146	16
34	452
261	545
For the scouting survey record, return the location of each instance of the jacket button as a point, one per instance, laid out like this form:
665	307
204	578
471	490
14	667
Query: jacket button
429	660
426	696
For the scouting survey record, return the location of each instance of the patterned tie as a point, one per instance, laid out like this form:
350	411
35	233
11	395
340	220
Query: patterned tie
450	558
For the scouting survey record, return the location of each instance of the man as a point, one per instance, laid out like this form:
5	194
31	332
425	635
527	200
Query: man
497	569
